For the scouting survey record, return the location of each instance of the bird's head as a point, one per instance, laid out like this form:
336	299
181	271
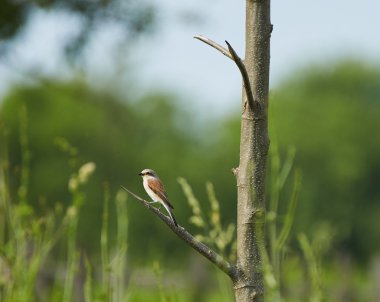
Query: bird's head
148	172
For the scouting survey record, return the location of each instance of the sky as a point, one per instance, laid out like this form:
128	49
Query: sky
305	32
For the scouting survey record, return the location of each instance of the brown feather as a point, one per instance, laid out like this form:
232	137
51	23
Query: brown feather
157	187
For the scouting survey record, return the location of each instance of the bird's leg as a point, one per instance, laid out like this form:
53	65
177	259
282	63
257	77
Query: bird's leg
155	201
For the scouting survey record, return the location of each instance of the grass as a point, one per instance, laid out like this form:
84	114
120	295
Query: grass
40	259
29	244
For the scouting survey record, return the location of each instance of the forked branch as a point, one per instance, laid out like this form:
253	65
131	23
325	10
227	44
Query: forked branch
244	74
201	248
214	45
231	53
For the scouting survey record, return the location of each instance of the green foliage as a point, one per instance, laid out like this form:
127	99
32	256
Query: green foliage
278	225
330	114
28	241
71	123
313	269
213	233
12	15
132	17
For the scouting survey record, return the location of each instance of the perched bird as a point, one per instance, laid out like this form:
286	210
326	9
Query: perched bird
156	191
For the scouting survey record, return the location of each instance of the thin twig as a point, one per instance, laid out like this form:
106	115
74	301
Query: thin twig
244	74
201	248
231	53
215	45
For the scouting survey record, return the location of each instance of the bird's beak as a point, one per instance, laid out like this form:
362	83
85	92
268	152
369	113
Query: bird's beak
141	174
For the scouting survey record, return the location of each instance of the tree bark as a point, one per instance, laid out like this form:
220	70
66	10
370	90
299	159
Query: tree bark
254	145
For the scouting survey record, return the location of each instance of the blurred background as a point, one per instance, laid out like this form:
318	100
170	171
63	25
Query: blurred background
123	85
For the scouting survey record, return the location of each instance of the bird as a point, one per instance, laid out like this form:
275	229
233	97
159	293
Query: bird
156	191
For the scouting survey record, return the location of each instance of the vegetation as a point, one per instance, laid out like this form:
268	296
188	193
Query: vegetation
331	119
132	18
59	227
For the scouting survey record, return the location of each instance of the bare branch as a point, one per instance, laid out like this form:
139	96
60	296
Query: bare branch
231	53
201	248
215	45
247	85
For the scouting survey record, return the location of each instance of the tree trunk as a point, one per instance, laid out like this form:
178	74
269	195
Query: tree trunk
254	144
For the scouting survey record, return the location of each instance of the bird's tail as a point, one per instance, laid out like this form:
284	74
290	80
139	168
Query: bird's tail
170	214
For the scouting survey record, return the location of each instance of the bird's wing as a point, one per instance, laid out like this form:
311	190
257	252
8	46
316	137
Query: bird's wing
156	186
